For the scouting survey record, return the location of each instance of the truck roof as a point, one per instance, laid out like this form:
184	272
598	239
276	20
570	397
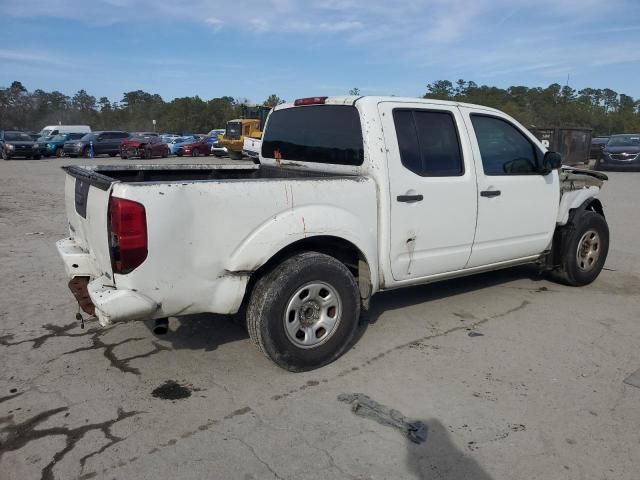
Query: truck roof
352	99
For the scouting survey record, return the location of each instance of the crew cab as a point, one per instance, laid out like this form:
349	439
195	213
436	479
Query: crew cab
352	196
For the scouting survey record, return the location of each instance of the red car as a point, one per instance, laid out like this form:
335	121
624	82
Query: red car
144	146
195	148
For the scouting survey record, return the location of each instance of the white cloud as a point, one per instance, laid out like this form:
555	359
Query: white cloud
21	56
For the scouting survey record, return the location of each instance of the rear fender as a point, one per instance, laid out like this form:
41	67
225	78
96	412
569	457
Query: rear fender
290	226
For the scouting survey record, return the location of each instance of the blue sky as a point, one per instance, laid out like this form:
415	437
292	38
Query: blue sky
294	48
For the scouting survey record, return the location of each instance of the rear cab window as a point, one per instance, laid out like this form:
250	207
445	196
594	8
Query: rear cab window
428	142
328	134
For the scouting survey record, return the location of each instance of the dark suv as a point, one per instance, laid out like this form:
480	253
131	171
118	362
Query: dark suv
107	142
17	144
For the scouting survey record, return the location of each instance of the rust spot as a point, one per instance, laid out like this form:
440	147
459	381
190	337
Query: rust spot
78	286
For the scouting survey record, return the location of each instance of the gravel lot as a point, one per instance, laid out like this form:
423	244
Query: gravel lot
540	394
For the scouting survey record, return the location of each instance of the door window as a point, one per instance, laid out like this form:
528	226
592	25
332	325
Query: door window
428	142
503	148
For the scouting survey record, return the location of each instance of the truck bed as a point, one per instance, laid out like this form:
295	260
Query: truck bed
102	176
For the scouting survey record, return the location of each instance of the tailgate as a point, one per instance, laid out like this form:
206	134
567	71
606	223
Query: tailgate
86	202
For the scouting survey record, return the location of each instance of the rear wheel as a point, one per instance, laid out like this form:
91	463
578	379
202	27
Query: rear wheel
5	156
195	152
303	314
59	152
585	250
165	153
86	153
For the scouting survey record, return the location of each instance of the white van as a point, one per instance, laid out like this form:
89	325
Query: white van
51	130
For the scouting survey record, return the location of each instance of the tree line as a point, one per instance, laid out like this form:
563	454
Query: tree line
25	110
604	110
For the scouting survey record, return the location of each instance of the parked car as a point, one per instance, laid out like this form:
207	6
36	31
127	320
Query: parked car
217	148
434	190
106	142
54	146
169	137
597	145
14	143
621	151
177	143
143	146
196	147
51	130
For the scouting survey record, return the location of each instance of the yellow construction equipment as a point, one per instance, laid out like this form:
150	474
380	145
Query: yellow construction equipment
249	125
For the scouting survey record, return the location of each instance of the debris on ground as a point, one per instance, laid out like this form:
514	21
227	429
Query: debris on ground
365	407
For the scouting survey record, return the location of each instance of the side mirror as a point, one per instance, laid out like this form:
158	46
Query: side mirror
550	162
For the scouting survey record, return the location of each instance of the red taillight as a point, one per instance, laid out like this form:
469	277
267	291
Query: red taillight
127	234
310	101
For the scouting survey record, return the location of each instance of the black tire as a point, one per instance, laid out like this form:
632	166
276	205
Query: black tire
179	154
576	269
86	152
273	292
195	152
59	152
37	157
5	156
165	153
73	155
123	157
235	155
112	155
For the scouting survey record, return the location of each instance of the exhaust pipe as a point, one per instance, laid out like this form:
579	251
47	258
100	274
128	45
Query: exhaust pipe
161	326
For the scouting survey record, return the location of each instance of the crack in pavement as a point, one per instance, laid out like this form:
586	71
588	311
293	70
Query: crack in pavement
121	364
16	436
54	332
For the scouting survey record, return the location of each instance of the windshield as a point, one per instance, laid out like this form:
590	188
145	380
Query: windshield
88	137
624	141
17	137
59	138
46	132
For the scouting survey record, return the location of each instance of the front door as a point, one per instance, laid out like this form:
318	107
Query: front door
517	206
433	196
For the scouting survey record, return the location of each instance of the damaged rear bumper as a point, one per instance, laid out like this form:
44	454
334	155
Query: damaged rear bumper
99	296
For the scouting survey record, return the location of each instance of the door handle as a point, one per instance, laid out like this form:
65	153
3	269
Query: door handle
409	198
490	193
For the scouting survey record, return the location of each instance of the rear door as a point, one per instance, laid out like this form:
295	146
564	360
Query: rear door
517	206
433	194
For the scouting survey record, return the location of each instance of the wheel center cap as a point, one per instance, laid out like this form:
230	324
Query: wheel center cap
309	313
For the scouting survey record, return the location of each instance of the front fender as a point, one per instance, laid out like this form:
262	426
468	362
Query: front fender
302	222
573	200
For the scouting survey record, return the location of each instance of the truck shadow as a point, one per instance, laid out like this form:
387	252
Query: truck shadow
438	457
205	331
394	299
208	331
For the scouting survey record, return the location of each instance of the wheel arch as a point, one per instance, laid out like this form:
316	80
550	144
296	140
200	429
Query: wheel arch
339	248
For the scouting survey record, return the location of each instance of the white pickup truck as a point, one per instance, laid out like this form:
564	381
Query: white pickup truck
353	195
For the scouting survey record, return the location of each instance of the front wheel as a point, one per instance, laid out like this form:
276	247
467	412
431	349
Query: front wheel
59	152
585	250
5	156
303	314
235	155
